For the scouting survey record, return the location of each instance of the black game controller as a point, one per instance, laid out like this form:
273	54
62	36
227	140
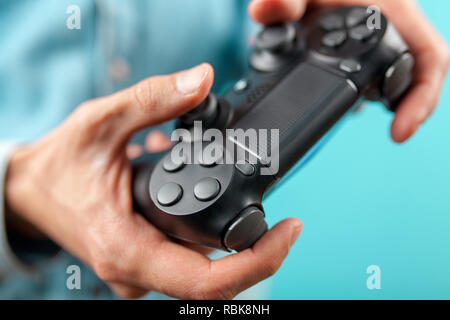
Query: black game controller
304	77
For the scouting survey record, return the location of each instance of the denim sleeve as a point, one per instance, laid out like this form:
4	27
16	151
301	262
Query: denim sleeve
9	262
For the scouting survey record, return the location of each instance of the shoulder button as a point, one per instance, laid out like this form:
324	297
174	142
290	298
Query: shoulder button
398	79
248	227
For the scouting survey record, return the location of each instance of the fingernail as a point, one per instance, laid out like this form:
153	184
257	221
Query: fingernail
295	234
189	81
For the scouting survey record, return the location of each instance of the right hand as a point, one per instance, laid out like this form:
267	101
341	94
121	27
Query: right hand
74	186
426	44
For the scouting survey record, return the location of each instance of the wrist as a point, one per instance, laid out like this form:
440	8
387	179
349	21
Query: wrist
18	195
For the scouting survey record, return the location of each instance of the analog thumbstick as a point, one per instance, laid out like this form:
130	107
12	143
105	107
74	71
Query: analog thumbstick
275	46
277	38
206	112
213	113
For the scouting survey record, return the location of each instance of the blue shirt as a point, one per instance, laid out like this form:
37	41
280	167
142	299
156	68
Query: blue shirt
47	70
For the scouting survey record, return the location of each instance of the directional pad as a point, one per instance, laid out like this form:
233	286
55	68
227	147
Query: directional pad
361	32
344	28
356	17
332	22
334	39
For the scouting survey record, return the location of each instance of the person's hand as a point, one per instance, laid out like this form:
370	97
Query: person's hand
74	186
429	48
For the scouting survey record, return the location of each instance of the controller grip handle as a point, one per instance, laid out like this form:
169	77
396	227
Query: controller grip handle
142	168
140	186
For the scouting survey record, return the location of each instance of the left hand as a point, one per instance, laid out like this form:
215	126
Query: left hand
428	47
76	182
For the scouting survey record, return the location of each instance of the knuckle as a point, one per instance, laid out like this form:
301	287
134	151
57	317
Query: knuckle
130	294
270	269
105	270
90	118
126	295
447	57
442	54
104	261
206	287
144	94
81	116
207	291
85	105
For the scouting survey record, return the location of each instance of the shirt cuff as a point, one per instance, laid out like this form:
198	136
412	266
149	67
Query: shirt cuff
9	262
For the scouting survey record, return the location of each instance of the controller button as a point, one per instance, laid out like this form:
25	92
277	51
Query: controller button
241	86
334	39
246	169
245	230
265	162
361	32
208	160
397	79
276	38
332	22
172	166
206	112
356	16
350	66
207	189
169	194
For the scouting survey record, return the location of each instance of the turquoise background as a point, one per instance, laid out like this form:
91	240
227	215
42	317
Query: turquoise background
367	201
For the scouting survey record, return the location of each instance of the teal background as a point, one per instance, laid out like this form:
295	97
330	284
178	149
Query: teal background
367	201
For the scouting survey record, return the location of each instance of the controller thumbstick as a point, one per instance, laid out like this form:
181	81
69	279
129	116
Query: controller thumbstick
278	38
212	113
206	112
274	47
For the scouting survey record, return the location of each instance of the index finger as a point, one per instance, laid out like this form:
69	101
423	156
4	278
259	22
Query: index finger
432	63
271	11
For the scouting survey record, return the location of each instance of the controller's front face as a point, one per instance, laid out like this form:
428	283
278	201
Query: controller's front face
304	78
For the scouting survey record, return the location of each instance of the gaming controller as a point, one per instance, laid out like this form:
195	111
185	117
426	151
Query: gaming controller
304	77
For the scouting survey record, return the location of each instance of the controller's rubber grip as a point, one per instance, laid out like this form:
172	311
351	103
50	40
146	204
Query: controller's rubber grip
140	188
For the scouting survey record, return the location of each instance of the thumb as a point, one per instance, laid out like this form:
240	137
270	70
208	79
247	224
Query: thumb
150	102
